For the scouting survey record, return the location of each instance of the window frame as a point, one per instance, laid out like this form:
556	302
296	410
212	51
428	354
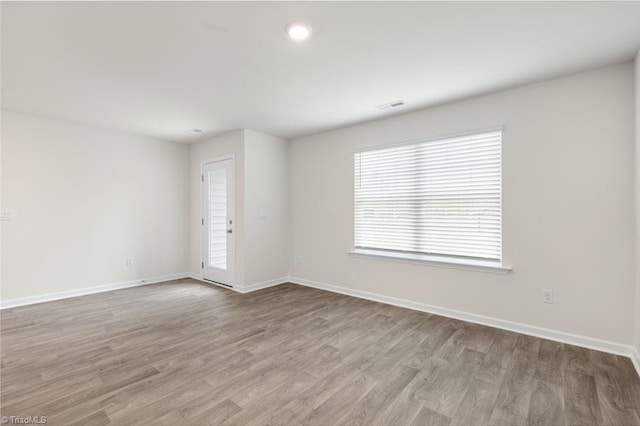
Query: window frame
433	259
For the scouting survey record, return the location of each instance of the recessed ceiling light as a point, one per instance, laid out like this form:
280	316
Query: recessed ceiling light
298	31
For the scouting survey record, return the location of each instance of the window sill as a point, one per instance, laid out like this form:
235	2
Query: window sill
439	261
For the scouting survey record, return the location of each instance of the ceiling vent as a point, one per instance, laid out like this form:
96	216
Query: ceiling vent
390	105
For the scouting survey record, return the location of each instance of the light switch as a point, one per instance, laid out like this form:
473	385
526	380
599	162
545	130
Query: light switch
263	213
6	216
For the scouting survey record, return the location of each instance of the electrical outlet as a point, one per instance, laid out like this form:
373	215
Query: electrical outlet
547	295
128	261
298	260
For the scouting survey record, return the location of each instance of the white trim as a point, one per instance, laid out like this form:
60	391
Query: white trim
230	156
244	289
12	303
440	261
261	285
635	359
231	272
199	277
544	333
494	129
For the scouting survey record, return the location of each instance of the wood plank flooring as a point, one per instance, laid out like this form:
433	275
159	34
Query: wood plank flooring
184	352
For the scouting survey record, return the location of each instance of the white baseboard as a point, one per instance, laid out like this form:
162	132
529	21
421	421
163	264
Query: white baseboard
195	276
261	285
635	358
12	303
545	333
245	288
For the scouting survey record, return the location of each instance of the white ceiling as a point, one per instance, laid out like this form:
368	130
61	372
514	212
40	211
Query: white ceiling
160	68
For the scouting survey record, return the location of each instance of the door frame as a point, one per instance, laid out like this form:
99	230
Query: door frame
202	201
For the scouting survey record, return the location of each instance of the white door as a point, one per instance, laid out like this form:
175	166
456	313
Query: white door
218	223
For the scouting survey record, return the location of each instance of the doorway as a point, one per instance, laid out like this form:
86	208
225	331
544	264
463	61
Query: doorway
218	221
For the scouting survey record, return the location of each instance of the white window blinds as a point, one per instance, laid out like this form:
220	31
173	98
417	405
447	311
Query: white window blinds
438	197
218	218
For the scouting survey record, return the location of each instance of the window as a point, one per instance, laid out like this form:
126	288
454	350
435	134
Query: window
437	197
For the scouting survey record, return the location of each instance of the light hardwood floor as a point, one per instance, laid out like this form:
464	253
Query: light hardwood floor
188	353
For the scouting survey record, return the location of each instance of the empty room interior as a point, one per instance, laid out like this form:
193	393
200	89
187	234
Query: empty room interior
320	213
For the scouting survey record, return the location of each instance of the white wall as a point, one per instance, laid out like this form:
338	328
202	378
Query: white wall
83	199
266	184
567	195
228	143
637	199
262	173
